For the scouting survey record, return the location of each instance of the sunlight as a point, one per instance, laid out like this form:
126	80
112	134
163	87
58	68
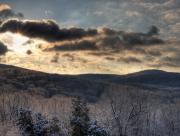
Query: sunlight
17	43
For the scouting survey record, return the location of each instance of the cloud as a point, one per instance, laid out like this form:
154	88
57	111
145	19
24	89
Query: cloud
171	61
6	12
176	29
107	43
74	46
3	49
155	53
45	29
109	31
141	39
55	58
109	40
164	56
108	46
78	38
4	7
133	14
123	40
129	60
69	56
171	16
136	15
28	52
110	58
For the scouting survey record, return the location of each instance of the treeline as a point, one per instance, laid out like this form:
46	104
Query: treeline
120	112
35	124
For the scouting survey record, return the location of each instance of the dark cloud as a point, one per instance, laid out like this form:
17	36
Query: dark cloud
69	56
3	49
104	39
28	52
127	40
168	60
6	12
101	53
165	64
50	31
129	60
155	53
110	58
45	29
74	46
141	39
108	31
172	61
113	41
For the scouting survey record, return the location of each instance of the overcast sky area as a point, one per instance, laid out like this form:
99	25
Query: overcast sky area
55	47
135	15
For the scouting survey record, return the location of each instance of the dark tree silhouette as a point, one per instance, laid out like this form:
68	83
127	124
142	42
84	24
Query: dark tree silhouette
34	124
80	118
153	30
25	122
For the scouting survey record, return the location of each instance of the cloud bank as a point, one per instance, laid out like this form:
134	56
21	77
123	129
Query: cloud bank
45	29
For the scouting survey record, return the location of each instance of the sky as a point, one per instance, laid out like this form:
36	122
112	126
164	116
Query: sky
118	14
90	36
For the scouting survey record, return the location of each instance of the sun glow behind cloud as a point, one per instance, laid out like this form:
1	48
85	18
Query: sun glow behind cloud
17	44
75	62
14	41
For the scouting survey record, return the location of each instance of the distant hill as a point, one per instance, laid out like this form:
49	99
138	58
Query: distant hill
148	77
90	86
49	84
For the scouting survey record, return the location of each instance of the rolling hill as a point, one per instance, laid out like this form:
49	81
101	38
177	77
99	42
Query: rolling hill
90	86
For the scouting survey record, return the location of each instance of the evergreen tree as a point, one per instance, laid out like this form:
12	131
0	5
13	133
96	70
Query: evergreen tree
95	130
54	127
40	125
80	118
25	122
34	124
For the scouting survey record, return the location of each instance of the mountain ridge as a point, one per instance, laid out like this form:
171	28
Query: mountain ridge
90	86
151	76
